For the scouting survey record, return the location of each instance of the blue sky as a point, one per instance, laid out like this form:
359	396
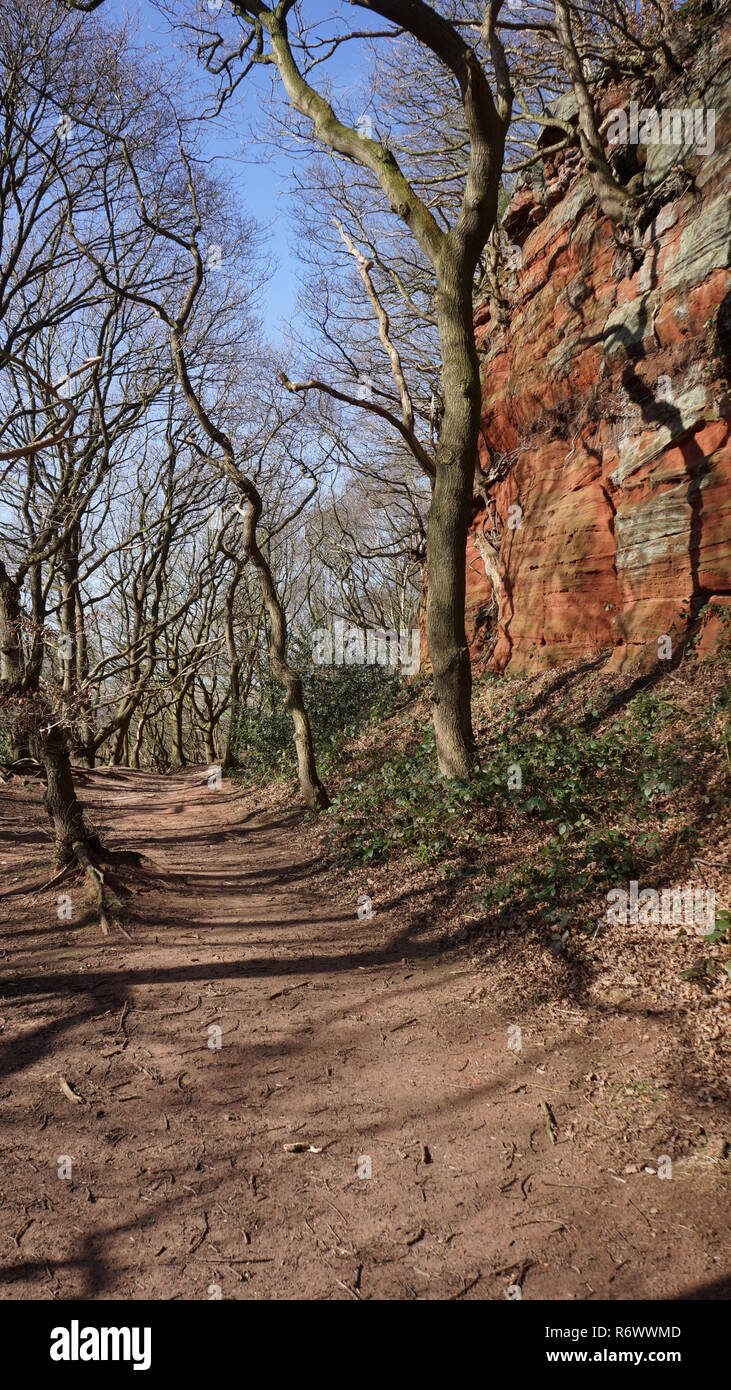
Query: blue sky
262	176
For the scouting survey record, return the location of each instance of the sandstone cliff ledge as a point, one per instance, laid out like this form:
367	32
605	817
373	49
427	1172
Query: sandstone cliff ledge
606	408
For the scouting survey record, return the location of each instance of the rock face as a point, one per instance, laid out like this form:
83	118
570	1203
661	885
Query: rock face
605	449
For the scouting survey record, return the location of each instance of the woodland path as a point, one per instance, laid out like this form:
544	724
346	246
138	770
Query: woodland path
337	1033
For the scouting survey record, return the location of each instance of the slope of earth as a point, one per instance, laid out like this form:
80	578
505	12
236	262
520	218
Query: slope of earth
440	1152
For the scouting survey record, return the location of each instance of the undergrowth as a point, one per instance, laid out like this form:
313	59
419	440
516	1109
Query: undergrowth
577	789
594	801
342	704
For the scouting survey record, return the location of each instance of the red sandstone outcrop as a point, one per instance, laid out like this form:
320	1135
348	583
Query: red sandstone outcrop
606	409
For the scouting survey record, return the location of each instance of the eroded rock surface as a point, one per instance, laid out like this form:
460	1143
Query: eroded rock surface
606	409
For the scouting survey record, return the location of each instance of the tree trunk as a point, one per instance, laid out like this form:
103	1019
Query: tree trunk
210	747
449	518
176	726
64	811
117	756
229	756
85	720
142	721
315	796
234	683
11	651
82	751
241	698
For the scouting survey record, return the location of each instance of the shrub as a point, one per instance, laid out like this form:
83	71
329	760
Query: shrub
342	702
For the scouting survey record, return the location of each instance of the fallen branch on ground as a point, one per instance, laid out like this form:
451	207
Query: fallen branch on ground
21	766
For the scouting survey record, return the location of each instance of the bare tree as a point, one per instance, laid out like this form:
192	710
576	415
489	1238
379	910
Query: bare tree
452	252
159	223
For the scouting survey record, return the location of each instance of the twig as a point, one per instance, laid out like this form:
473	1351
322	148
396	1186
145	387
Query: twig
289	990
239	1259
52	882
69	1092
22	1230
466	1287
639	1209
353	1292
551	1125
200	1239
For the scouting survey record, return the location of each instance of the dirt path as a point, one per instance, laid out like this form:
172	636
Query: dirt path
450	1162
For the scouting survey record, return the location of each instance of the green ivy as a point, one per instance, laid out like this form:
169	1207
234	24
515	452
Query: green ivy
570	779
341	703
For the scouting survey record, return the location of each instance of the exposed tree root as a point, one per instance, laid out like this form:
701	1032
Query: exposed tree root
95	876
